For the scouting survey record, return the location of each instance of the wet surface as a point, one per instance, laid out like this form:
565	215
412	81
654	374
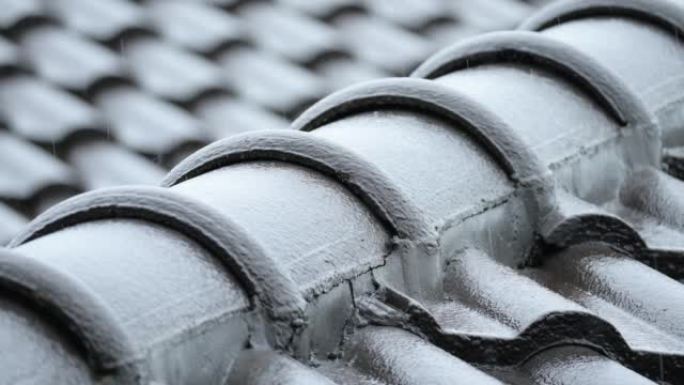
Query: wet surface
527	235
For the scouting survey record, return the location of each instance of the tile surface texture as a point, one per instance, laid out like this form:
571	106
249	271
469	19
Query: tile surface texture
505	210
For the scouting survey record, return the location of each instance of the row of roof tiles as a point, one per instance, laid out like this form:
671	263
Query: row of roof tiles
501	217
136	86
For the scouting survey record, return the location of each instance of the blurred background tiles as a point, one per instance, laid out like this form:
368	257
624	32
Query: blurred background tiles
97	93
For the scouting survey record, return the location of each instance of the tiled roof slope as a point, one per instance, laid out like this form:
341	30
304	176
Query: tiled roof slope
501	216
111	92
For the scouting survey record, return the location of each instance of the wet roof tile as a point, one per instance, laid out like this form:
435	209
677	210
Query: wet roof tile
40	112
67	59
224	116
290	34
29	170
146	124
102	20
376	41
264	78
169	72
14	11
103	164
196	26
412	14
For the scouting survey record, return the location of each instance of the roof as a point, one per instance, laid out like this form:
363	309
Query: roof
508	213
115	92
